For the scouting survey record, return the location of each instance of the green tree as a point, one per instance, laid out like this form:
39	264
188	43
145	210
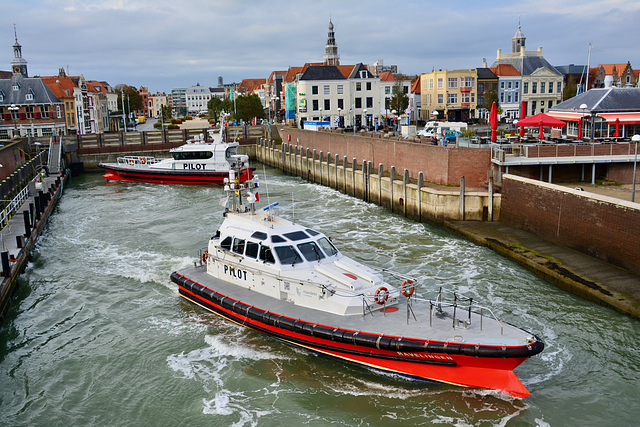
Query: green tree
490	96
400	100
166	113
132	99
570	89
248	107
214	106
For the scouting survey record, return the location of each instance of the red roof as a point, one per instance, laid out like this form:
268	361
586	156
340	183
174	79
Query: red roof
386	76
62	87
505	70
251	85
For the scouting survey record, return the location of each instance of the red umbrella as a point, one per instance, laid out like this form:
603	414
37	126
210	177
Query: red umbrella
493	121
546	120
617	133
541	136
523	114
580	129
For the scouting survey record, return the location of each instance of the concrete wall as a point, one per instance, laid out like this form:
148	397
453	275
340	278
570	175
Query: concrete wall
395	191
600	226
440	165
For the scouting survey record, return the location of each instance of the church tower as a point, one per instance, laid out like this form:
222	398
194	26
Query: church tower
331	56
517	41
18	65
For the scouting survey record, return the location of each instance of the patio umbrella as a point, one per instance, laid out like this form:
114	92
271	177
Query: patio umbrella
523	114
580	129
493	121
546	120
541	136
617	133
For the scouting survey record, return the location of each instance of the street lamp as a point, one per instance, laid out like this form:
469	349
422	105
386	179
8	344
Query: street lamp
14	113
635	138
339	109
582	107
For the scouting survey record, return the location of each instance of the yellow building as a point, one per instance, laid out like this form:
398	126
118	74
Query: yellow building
450	93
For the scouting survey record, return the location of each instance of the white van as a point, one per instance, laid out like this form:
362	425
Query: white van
437	129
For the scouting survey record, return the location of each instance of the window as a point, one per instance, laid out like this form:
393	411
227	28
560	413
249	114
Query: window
226	243
501	97
387	90
369	102
430	83
368	85
508	97
29	109
266	255
358	86
288	255
252	250
509	85
192	155
559	87
440	83
550	87
340	89
341	103
517	85
358	103
238	246
467	81
29	97
534	87
327	104
327	90
314	90
542	87
525	87
465	97
480	87
327	247
533	107
501	85
315	105
452	82
310	251
452	98
515	97
440	98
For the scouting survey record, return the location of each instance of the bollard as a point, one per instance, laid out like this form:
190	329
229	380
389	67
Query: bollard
27	223
6	268
20	241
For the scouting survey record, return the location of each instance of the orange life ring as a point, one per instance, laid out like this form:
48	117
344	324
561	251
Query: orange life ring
382	295
205	257
132	162
410	291
142	160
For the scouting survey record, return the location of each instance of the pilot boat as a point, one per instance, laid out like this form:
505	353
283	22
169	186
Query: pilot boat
196	162
290	282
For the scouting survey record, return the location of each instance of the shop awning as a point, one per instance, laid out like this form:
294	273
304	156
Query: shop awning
625	118
567	116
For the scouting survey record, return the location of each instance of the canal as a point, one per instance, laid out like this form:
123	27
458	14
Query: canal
97	334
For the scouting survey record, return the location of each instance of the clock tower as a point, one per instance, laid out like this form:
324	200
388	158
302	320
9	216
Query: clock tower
18	65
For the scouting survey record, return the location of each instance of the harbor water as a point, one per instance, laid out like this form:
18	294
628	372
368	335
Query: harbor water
97	334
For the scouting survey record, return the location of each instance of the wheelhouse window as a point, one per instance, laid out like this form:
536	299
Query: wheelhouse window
296	235
192	155
266	255
226	243
288	255
277	239
310	251
238	246
327	246
252	250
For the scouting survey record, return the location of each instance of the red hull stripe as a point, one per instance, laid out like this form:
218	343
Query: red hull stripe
171	177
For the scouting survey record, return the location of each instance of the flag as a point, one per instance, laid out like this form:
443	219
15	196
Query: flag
232	94
223	201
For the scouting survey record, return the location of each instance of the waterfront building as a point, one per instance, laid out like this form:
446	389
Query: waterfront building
487	91
147	103
197	98
509	91
578	73
450	93
620	75
542	84
388	83
27	106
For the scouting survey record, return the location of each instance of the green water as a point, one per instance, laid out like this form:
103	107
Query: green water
97	334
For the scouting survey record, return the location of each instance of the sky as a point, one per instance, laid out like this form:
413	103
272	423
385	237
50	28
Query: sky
163	44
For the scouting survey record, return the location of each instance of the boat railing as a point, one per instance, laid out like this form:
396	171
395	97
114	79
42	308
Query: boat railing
137	161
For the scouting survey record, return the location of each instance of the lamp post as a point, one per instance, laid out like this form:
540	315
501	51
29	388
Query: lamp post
321	110
339	109
635	138
582	107
14	113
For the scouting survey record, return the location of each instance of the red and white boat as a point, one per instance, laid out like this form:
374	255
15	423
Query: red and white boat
290	282
196	162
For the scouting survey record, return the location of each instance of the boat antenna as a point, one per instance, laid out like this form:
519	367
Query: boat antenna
266	185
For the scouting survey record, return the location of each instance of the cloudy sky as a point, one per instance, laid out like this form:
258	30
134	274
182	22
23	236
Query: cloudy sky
168	43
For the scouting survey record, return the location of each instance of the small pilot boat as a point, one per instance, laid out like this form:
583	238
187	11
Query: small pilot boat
196	162
290	282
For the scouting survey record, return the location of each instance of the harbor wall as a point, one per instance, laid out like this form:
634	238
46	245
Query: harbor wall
397	191
438	164
600	226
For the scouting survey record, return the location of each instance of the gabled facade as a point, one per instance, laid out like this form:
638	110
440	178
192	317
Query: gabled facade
619	75
509	90
487	89
450	93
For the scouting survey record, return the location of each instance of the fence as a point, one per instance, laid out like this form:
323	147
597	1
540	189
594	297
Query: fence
13	189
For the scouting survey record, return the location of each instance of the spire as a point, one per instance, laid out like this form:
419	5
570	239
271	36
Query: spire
518	40
18	65
331	56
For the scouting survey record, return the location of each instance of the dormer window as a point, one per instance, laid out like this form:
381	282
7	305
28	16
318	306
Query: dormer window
29	97
16	86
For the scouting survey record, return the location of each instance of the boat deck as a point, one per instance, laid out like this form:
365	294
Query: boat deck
421	320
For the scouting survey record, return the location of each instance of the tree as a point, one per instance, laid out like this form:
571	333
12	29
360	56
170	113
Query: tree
490	96
166	113
570	89
132	99
215	107
248	107
399	101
